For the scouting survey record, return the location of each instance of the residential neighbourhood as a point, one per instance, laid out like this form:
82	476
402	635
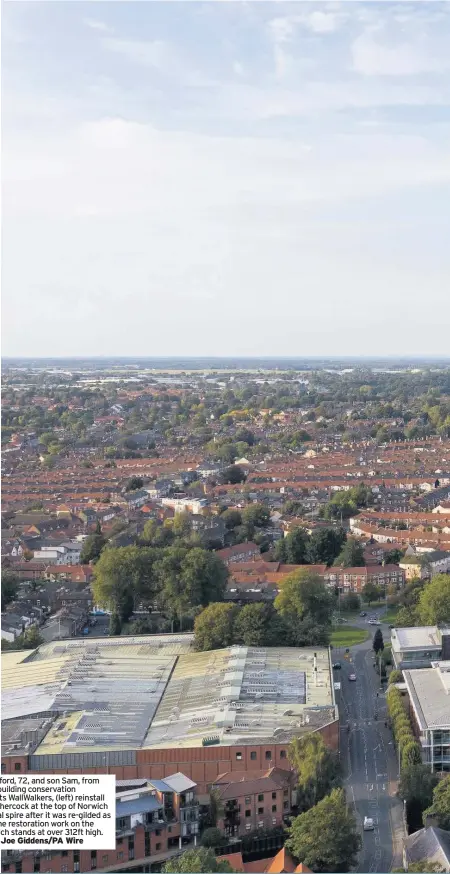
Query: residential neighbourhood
179	560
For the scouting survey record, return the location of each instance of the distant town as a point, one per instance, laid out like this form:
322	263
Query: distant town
227	582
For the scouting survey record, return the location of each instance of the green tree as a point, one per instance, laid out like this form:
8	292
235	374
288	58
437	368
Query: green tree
434	601
125	571
233	475
182	525
251	626
293	548
440	806
378	642
316	766
306	606
204	571
92	548
9	588
231	519
212	837
416	787
351	554
256	516
395	677
115	625
411	754
371	592
325	544
200	859
325	838
350	602
134	483
213	627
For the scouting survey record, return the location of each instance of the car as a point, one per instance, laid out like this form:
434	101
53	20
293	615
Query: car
368	824
337	666
352	677
363	613
372	622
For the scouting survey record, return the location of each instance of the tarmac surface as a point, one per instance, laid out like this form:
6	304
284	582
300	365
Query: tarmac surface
368	755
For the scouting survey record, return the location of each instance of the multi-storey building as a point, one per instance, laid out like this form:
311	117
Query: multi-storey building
353	579
429	702
419	647
253	799
154	820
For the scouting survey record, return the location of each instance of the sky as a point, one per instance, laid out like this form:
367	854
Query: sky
225	178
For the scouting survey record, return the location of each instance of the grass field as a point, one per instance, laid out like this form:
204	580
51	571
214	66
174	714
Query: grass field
391	615
344	637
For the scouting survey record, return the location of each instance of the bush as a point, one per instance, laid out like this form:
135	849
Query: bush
395	677
212	837
411	754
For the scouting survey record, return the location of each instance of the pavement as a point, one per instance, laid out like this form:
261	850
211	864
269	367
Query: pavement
368	755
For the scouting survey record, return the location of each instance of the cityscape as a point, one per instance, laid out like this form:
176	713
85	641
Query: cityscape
225	518
229	587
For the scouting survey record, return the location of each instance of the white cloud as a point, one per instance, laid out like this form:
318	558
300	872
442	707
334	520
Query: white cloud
322	22
373	57
96	25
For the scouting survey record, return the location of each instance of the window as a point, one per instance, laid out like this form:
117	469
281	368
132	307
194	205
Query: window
286	805
248	800
120	856
119	841
274	808
3	767
121	822
104	860
260	810
274	820
282	754
158	847
253	755
260	825
260	797
248	813
169	829
17	766
268	754
63	867
239	756
157	832
274	794
286	792
248	826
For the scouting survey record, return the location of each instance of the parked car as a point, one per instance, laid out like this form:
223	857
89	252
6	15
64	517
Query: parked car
363	613
352	677
368	824
337	666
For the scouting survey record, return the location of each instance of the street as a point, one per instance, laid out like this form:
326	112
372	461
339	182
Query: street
368	755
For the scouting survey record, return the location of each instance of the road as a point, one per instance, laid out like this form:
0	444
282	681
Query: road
368	755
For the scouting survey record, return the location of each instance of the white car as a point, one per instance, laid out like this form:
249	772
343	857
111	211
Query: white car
368	824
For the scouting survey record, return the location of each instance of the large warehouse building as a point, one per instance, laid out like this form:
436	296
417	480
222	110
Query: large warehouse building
151	707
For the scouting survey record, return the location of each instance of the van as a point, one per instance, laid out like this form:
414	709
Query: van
368	824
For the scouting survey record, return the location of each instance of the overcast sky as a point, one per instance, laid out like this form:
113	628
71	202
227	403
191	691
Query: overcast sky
242	178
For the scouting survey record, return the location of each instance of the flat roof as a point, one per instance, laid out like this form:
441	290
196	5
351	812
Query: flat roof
244	695
129	693
416	638
429	692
